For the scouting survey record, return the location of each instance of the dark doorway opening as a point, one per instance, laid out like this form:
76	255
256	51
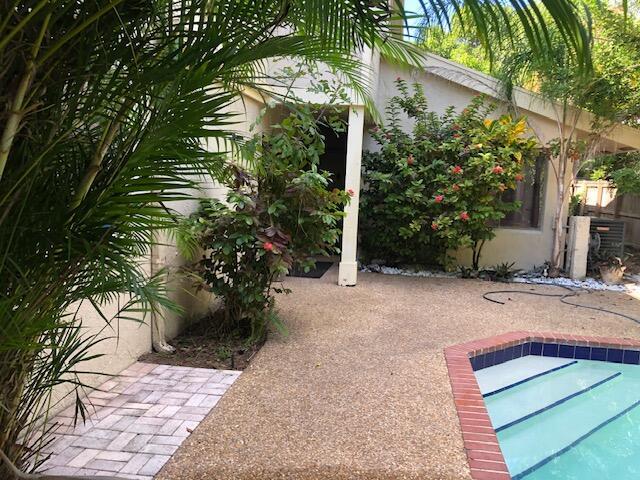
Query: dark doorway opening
334	158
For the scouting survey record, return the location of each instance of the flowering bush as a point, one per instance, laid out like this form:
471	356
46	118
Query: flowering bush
279	215
439	187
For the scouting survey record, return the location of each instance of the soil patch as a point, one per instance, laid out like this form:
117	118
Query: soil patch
202	346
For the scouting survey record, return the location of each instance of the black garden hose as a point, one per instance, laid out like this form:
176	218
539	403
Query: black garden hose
562	296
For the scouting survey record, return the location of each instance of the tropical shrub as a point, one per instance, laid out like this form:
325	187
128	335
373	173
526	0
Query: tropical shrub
278	214
439	187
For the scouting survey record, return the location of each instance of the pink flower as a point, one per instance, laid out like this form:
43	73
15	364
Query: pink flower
456	170
434	226
410	160
268	246
439	198
398	79
351	193
497	170
464	216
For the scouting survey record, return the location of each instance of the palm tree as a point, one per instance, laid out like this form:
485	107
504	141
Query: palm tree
106	107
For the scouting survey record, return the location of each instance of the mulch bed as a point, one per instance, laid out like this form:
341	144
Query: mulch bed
202	346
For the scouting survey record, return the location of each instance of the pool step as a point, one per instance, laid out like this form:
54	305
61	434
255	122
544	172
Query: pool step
494	379
612	452
575	443
515	404
557	428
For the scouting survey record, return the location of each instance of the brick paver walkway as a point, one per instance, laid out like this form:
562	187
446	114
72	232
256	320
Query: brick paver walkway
138	420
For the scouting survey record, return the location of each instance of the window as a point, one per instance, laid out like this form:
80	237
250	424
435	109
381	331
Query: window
529	192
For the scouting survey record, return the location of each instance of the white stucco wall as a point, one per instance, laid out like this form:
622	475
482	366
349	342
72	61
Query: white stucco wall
525	247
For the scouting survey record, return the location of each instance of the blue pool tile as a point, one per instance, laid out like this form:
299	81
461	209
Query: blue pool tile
517	351
499	357
550	350
598	353
509	354
614	355
489	359
583	353
475	363
631	357
536	348
566	351
526	349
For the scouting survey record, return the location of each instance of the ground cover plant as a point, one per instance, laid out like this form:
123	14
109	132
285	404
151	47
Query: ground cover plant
439	187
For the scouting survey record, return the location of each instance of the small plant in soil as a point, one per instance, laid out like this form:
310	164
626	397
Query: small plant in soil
502	272
611	269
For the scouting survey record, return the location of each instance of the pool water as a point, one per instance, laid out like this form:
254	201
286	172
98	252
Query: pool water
564	418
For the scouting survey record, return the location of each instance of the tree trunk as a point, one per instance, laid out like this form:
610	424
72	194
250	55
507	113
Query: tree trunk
15	366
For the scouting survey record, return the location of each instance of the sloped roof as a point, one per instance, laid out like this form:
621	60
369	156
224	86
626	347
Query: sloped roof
620	137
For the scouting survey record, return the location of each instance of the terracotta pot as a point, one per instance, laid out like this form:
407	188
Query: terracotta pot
612	274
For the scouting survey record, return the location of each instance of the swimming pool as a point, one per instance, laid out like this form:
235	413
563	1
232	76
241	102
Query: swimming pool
565	418
551	405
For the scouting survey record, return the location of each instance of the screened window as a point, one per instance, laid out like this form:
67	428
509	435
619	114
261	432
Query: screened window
529	192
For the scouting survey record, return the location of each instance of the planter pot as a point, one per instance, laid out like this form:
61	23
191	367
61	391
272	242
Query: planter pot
611	274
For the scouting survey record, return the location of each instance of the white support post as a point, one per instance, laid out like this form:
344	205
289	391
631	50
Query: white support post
348	271
578	247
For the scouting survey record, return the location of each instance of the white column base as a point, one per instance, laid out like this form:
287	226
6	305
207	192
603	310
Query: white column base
348	274
578	247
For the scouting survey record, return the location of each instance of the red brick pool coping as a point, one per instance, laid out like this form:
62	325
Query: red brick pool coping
480	441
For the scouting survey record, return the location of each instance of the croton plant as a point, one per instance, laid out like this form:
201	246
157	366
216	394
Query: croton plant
439	187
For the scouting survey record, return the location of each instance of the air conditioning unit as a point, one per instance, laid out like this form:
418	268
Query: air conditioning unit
606	238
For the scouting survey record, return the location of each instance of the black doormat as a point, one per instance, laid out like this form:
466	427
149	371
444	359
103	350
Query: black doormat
319	271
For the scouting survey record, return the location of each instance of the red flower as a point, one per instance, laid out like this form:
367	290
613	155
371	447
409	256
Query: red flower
268	246
519	177
456	135
464	216
351	193
455	187
456	170
434	226
498	170
410	160
439	198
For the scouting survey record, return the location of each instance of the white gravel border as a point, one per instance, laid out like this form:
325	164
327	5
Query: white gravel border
631	285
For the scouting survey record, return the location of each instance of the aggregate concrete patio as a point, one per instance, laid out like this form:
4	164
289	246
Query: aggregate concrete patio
359	389
136	421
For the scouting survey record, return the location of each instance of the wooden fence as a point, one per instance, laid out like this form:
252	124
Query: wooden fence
599	199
